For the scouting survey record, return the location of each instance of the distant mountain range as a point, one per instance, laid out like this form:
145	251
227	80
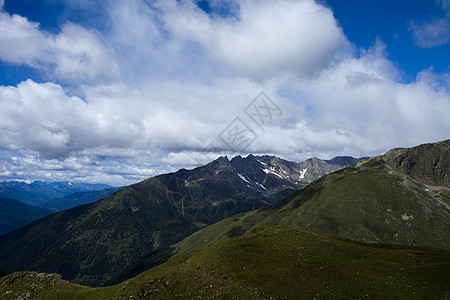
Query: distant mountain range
38	192
15	213
93	243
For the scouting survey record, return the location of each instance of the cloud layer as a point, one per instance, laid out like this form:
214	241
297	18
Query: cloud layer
150	93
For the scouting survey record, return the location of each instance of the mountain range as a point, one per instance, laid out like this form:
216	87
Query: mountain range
377	229
38	192
92	244
402	197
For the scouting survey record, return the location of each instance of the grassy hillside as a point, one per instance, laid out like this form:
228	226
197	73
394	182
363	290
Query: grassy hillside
271	263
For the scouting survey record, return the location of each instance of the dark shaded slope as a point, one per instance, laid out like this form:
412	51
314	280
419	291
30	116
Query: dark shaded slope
15	214
90	242
78	198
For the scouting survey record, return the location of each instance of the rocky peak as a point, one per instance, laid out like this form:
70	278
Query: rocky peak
428	162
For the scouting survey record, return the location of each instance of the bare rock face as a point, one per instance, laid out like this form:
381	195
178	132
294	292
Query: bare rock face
428	162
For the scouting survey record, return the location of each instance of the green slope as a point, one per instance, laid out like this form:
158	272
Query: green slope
374	201
271	263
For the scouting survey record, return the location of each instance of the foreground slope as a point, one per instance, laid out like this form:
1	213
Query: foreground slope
270	263
402	197
92	244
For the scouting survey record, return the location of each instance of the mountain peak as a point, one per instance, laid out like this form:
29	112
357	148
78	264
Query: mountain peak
221	162
428	162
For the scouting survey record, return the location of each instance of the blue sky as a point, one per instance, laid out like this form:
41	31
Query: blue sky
364	21
117	91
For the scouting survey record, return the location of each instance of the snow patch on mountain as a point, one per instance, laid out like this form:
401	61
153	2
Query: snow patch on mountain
261	185
263	163
302	173
243	178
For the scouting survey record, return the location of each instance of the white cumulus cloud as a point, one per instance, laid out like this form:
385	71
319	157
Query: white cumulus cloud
74	55
266	37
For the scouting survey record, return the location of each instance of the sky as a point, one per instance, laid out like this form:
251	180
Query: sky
114	92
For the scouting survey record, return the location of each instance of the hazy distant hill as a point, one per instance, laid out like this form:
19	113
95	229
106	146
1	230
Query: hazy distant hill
75	199
15	214
93	243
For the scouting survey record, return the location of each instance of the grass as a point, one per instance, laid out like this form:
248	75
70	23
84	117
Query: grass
275	261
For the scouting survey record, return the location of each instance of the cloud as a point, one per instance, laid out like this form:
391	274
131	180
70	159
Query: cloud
95	165
42	118
431	34
364	108
445	5
265	38
434	33
178	39
166	115
74	55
